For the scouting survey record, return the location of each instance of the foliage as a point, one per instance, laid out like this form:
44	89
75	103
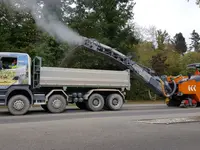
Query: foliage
197	1
195	41
108	24
162	38
189	58
173	62
180	43
158	63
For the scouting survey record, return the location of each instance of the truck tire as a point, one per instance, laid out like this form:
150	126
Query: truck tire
18	105
56	103
95	102
81	105
114	102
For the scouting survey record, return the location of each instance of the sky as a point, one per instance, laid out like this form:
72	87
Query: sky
174	16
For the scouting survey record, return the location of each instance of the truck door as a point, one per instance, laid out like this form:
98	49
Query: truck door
7	74
13	69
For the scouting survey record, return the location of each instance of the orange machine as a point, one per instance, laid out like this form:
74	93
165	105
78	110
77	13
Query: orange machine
188	89
176	78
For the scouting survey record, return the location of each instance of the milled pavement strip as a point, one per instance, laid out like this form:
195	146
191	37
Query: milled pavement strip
129	118
134	119
88	113
170	120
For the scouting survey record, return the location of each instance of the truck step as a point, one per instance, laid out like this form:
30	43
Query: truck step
39	99
2	104
36	103
2	100
39	102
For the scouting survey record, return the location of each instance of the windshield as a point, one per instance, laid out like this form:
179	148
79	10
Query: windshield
8	62
13	61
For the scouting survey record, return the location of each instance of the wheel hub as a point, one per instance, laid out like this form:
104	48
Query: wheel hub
57	103
115	102
96	102
18	105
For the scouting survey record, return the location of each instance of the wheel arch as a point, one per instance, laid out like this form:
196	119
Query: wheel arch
19	90
105	91
57	91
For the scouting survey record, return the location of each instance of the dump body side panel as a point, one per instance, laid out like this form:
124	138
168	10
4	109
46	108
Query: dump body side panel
50	76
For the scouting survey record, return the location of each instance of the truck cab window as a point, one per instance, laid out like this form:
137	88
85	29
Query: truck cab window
8	63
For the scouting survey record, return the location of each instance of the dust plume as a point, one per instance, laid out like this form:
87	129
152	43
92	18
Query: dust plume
46	21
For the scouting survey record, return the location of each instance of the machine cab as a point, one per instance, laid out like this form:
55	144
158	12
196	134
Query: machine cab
14	68
195	66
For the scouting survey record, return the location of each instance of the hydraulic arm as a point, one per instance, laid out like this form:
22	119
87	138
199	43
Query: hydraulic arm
158	84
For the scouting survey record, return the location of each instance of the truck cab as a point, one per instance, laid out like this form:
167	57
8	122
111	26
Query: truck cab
195	66
15	81
15	68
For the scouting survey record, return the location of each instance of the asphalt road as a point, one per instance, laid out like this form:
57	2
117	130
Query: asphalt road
121	130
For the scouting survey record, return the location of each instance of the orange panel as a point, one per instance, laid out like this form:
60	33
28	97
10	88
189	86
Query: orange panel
177	79
190	87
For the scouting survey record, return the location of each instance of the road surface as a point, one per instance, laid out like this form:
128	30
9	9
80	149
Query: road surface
76	129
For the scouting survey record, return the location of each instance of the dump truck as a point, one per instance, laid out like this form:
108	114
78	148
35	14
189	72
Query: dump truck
24	82
29	84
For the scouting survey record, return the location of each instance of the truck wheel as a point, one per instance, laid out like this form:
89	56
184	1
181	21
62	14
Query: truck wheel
56	104
18	105
45	107
114	102
81	105
95	102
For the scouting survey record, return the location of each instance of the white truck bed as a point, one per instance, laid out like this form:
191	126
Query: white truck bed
71	77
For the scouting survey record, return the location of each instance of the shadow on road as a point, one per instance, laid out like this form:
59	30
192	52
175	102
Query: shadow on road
41	112
37	111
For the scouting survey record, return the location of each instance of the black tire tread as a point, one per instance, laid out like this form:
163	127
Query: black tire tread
54	110
109	101
89	102
16	112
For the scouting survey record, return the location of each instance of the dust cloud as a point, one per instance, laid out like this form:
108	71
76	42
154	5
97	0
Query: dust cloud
46	21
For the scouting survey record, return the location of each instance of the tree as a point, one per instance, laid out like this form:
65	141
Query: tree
180	43
162	37
189	58
173	63
151	34
158	63
19	33
17	29
197	2
195	41
109	23
145	51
